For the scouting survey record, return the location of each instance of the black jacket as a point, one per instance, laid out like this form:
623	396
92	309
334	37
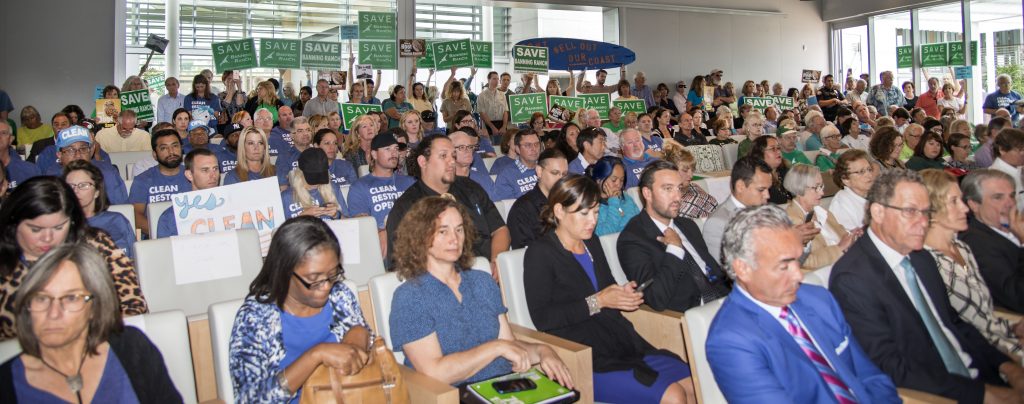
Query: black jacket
889	328
524	224
140	359
1000	262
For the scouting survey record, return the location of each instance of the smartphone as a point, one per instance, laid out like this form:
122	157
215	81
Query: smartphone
644	285
809	217
513	385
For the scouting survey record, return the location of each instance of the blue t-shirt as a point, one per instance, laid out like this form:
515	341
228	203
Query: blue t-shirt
116	192
998	100
484	180
514	180
292	207
48	158
167	225
694	98
286	161
152	186
19	170
500	163
485	146
227	158
812	143
423	306
119	228
375	196
114	387
280	139
401	108
301	334
634	168
232	177
204	109
613	215
342	172
654	144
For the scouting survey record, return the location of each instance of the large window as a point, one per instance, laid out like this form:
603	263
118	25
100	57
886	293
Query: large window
997	26
891	31
851	48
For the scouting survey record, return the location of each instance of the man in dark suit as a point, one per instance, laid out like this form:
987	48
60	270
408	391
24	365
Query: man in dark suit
895	301
772	331
657	244
996	247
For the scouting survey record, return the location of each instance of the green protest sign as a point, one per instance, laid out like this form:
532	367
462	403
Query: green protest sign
377	25
451	54
904	56
483	54
934	55
280	53
759	103
597	101
530	59
627	106
380	54
349	112
956	54
155	83
139	102
782	101
522	106
427	61
234	55
321	55
569	103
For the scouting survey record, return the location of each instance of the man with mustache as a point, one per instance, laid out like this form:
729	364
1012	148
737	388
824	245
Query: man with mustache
160	182
375	194
659	245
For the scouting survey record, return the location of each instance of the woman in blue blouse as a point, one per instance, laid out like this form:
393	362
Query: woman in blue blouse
202	104
253	158
298	316
447	318
616	207
342	172
87	182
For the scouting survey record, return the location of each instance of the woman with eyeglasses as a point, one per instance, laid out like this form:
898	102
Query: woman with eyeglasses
39	215
854	174
87	182
448	318
298	315
75	347
959	148
885	146
806	184
830	149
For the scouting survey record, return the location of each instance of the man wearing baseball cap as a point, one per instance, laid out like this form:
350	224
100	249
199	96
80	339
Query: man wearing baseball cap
788	138
48	157
228	153
159	183
75	143
202	172
429	124
375	193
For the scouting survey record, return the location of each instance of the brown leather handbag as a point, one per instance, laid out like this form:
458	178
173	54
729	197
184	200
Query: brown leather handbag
379	382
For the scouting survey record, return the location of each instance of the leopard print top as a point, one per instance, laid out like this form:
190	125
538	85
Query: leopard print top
122	269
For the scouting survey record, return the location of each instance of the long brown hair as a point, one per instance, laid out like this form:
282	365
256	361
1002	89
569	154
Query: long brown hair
416	233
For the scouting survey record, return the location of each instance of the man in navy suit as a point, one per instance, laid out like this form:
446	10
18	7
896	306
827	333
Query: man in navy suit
895	300
775	340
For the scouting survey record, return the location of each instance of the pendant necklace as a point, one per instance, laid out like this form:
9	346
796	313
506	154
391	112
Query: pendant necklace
74	381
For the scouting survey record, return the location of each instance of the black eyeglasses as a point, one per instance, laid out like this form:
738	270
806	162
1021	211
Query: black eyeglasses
910	213
339	274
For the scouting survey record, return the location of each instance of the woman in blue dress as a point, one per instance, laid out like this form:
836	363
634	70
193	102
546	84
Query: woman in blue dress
571	293
616	208
87	182
253	158
448	318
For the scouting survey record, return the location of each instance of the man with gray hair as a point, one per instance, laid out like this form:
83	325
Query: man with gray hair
1003	98
772	330
641	90
994	232
1008	150
890	290
811	135
859	93
322	103
884	94
593	118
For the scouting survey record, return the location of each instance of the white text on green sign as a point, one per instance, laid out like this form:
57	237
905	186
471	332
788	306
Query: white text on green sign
522	106
377	25
235	55
280	53
318	54
452	54
530	58
598	102
349	112
380	54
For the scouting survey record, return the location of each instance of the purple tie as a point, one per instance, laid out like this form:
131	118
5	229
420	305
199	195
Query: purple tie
839	389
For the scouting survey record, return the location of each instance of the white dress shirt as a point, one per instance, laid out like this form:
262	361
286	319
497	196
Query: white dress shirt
848	208
687	246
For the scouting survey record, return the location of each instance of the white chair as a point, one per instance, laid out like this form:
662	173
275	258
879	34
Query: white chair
510	271
737	138
488	162
222	319
818	276
494	177
700	222
608	243
504	206
696	324
9	349
128	186
217	140
825	202
708	158
168	330
125	160
127	210
155	263
371	263
153	212
730	153
482	264
635	194
364	170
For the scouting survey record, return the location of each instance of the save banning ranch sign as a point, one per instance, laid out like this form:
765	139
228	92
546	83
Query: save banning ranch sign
760	103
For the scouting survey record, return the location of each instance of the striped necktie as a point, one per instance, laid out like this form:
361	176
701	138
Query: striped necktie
839	389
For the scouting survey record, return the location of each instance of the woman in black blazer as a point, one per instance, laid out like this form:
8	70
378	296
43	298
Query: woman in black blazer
571	293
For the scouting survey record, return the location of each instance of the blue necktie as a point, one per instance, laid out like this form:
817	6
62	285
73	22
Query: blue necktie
950	358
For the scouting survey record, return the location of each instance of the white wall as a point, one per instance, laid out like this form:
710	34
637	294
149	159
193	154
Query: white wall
55	53
675	45
839	9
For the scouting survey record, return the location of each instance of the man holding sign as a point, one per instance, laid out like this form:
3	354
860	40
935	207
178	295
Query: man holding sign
203	171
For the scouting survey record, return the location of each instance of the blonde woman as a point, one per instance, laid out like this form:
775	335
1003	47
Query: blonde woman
456	101
412	124
253	158
357	143
266	97
317	122
310	191
355	94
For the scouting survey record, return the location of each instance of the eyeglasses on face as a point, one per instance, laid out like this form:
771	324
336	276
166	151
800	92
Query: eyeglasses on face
81	186
910	213
69	303
330	280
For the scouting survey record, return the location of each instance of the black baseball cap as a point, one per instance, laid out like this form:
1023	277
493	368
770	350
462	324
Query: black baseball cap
428	116
383	140
314	165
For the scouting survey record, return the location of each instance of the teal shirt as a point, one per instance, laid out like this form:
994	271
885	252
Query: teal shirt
796	156
614	214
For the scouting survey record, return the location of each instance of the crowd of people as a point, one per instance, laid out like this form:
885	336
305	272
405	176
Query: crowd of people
915	209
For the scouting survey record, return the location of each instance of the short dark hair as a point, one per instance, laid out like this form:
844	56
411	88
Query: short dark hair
412	166
884	188
997	124
1008	139
199	151
490	73
745	169
929	135
901	113
881	143
587	136
288	248
525	132
163	133
647	176
35	197
954	139
547	154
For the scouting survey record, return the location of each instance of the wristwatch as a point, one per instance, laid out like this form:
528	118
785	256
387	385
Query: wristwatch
592	304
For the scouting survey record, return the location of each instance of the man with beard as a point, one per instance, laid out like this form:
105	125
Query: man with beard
465	141
160	182
302	136
201	170
75	143
375	193
658	244
434	166
600	87
524	223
